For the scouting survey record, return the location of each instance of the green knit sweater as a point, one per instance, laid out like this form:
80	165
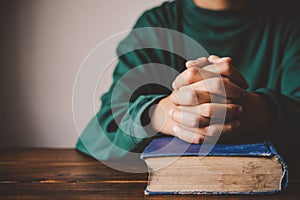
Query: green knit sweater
264	46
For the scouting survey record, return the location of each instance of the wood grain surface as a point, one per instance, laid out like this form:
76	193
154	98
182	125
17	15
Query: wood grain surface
68	174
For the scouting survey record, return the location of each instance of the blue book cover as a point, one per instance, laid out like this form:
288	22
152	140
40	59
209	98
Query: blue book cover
170	146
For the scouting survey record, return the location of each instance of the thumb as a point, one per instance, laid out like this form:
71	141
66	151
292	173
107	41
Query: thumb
200	62
216	59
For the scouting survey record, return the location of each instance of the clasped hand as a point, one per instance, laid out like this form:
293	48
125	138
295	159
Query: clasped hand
204	103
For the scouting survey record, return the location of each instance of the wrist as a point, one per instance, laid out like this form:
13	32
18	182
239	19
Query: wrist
160	119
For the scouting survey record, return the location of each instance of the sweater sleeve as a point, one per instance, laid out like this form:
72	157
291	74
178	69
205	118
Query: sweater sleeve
140	80
285	91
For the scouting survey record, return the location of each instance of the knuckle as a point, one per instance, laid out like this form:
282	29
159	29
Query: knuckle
217	85
198	139
190	97
212	131
191	72
231	107
230	128
207	110
174	116
194	121
174	96
206	130
226	67
236	109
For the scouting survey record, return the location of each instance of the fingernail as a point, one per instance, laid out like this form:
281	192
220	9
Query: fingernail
191	63
211	57
174	85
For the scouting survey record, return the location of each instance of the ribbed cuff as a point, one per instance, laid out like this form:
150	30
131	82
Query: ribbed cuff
142	128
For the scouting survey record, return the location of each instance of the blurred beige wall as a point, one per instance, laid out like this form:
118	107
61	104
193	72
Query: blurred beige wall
43	43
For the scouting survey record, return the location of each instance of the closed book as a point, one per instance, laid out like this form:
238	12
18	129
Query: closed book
177	167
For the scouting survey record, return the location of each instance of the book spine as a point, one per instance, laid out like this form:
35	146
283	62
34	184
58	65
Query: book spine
284	178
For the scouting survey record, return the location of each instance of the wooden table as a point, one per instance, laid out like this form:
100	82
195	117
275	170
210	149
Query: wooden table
68	174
